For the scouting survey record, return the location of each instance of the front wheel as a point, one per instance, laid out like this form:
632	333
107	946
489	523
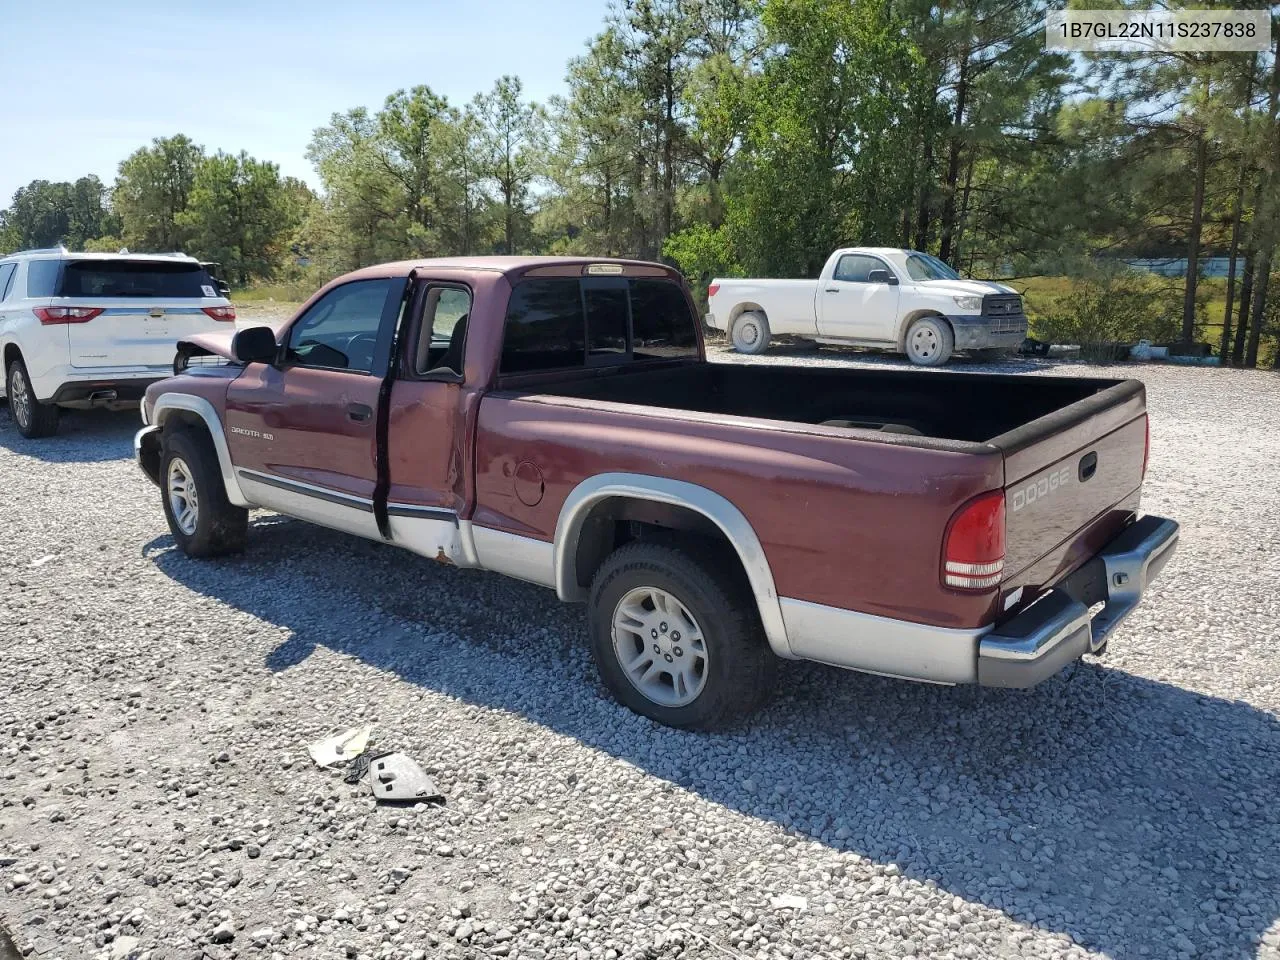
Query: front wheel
750	333
32	418
678	639
204	523
930	342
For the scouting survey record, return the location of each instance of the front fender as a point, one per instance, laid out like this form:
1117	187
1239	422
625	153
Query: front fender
168	405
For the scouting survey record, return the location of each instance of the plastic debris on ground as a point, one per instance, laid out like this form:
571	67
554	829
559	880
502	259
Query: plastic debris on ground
398	778
340	748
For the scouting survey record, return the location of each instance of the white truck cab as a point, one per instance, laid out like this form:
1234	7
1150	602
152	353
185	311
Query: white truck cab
883	297
96	329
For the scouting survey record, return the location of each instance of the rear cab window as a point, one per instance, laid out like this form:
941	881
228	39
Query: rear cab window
556	323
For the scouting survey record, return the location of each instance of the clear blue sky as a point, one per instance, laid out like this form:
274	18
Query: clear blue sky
89	81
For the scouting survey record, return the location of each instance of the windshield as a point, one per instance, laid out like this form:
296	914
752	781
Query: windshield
922	266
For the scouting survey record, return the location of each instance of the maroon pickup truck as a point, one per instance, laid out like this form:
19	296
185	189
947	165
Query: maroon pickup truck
556	420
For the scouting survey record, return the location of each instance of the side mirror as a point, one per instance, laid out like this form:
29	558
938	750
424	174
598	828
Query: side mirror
224	288
882	276
255	345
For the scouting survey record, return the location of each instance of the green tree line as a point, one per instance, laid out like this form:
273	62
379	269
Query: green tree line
752	137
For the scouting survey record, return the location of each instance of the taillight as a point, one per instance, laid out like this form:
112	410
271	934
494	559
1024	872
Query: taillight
713	290
220	313
1146	447
973	548
53	315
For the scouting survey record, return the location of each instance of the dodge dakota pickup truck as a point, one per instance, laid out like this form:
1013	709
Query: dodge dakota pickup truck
556	420
900	300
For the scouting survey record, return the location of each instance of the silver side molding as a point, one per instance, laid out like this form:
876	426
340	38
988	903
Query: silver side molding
521	557
306	501
883	645
167	403
713	506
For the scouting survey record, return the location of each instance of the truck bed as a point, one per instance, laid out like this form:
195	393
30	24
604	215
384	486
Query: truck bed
974	408
1070	450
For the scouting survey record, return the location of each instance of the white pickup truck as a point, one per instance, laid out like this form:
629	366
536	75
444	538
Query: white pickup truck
883	297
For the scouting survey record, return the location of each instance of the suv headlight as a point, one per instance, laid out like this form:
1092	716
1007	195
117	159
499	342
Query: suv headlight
968	303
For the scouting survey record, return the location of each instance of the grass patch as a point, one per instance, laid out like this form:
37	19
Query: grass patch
1042	295
273	292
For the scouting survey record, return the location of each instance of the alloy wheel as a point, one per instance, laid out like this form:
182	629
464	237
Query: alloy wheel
19	398
183	501
660	646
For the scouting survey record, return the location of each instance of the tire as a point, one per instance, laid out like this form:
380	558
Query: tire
703	595
929	341
214	526
750	333
32	418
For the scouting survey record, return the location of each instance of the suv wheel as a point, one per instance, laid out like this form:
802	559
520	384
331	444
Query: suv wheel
32	418
204	523
678	639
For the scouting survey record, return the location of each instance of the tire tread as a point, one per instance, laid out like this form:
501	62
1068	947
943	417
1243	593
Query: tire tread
44	416
224	528
752	667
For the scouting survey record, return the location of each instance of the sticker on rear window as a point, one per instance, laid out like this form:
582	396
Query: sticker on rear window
207	290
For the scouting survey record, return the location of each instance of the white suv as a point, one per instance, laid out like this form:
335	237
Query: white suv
95	330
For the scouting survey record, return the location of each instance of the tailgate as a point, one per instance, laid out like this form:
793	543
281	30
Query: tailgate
142	305
140	333
1072	483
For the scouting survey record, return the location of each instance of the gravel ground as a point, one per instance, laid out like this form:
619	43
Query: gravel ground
156	798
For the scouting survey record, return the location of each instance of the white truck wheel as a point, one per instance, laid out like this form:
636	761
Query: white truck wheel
930	341
750	333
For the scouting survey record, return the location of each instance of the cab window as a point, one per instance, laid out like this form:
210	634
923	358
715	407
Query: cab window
562	322
446	311
340	331
855	267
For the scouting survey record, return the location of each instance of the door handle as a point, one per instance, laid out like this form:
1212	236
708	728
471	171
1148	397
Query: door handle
833	289
1088	466
359	412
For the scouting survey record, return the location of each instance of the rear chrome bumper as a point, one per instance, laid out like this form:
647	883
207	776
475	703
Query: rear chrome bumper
1058	628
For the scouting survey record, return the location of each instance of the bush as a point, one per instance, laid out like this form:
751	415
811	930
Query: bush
702	253
1115	307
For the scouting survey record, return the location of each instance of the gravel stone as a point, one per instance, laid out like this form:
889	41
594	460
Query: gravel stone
156	793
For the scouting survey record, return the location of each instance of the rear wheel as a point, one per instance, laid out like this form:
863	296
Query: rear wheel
676	636
750	333
32	418
930	342
204	523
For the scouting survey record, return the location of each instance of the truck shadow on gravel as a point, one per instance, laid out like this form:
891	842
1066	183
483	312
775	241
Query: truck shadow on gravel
1136	817
84	436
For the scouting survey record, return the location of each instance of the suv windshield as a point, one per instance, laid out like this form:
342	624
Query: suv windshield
922	266
136	278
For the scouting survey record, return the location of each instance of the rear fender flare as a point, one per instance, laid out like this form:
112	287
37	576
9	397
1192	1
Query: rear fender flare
730	520
167	404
